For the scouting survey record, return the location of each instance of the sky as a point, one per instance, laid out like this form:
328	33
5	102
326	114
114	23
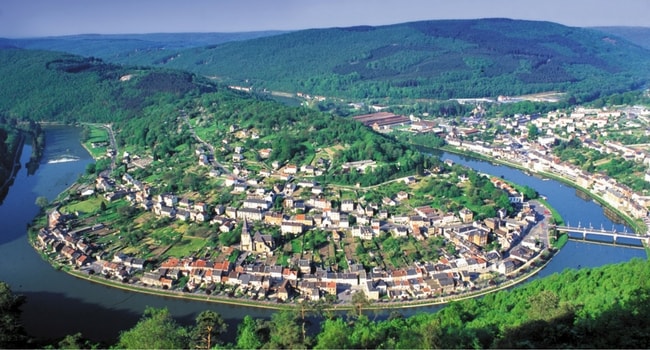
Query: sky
36	18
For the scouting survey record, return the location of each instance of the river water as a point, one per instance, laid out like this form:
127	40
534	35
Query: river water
59	304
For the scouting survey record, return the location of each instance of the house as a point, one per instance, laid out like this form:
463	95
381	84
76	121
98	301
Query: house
402	195
399	231
285	290
250	214
310	290
347	205
265	153
274	218
256	203
167	212
466	215
508	265
151	279
304	265
409	180
239	187
291	169
291	227
445	282
363	232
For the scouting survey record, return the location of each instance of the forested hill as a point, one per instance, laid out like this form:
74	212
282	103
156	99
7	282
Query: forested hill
636	35
143	105
429	59
42	85
126	48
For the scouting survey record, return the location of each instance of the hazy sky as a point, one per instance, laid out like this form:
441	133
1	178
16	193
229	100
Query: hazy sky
28	18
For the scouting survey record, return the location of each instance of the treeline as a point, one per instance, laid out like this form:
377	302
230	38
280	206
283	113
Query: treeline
604	307
9	143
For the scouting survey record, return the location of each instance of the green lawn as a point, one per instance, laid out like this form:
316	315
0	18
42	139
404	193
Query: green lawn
187	246
296	245
97	135
89	205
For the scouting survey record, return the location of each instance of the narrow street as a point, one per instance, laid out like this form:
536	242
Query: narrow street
214	161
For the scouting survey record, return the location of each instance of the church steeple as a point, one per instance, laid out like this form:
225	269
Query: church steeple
244	227
245	242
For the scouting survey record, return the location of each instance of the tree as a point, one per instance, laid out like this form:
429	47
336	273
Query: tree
75	341
285	331
359	301
247	334
529	193
85	133
544	305
42	202
334	335
209	325
12	333
91	168
533	132
156	330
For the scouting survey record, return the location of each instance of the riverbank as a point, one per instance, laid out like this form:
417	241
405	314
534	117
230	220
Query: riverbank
11	173
521	275
620	215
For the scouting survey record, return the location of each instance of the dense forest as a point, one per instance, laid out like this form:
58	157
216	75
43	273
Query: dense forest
430	59
48	86
604	307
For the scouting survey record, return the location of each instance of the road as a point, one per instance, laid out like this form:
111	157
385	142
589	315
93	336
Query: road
214	161
540	229
111	136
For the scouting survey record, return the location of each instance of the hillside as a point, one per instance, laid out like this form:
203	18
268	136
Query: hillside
144	104
636	35
127	48
430	59
42	85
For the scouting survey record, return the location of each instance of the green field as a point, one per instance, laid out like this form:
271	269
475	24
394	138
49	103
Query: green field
187	246
97	135
90	205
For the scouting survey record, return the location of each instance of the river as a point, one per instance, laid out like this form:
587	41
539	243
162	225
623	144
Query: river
573	207
59	304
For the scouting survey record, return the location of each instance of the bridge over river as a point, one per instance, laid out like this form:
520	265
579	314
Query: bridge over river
613	234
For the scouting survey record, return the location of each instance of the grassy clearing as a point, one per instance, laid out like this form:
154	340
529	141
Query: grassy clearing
296	245
187	246
98	136
89	205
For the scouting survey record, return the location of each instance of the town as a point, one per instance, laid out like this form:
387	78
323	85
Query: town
474	255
